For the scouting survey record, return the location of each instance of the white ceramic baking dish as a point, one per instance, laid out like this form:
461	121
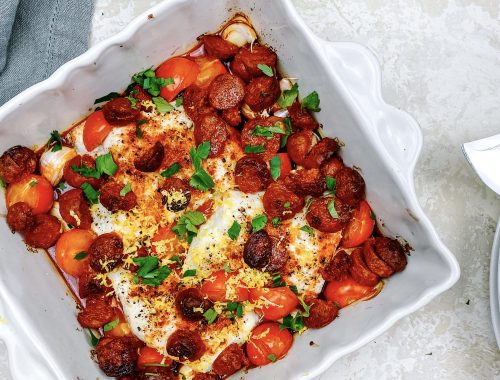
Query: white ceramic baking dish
37	312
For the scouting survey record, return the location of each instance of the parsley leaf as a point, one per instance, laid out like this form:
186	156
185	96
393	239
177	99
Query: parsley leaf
149	272
200	180
33	183
331	209
234	309
288	132
105	98
307	229
80	255
271	357
55	137
293	322
234	230
85	171
294	289
276	221
372	215
265	69
287	98
94	340
171	170
3	185
125	190
189	273
141	122
311	102
133	102
258	223
267	132
105	164
150	83
111	325
138	132
61	185
255	149
275	164
278	281
162	105
186	225
176	259
179	100
91	194
210	316
307	308
331	184
227	268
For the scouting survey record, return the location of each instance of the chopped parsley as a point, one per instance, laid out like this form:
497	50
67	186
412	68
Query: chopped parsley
138	132
234	309
287	98
311	102
133	102
288	131
125	190
105	98
91	194
255	149
265	69
227	268
105	164
150	273
171	170
294	289
293	322
178	101
162	105
278	281
271	357
210	316
141	122
111	325
176	259
258	223
267	132
33	183
186	225
55	141
234	230
275	165
331	184
307	229
3	185
372	215
189	273
94	340
150	83
276	221
287	204
200	180
61	185
80	255
331	209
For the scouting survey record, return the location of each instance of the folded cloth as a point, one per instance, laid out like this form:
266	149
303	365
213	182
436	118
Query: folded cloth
38	36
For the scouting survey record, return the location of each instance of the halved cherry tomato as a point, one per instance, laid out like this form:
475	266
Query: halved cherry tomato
360	227
215	287
149	356
169	242
182	70
268	343
209	69
122	328
95	130
347	291
286	165
71	251
34	190
278	302
206	208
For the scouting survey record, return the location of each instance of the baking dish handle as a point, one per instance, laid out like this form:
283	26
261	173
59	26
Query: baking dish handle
358	71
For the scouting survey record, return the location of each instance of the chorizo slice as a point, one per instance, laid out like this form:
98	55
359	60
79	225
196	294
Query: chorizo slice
250	137
74	209
281	202
219	48
350	186
258	250
232	116
298	146
321	314
262	93
16	162
230	360
256	54
44	232
175	194
360	272
213	129
251	174
338	268
391	251
319	215
332	166
111	199
120	111
278	258
150	158
322	151
226	91
105	252
301	118
205	376
97	312
238	68
375	263
195	102
186	345
306	182
88	284
191	304
74	178
117	356
20	217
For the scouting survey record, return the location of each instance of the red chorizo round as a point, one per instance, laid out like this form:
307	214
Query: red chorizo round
219	48
271	145
74	209
262	93
238	68
16	162
298	146
332	166
191	304
301	118
320	218
350	186
175	194
278	258
76	179
119	111
205	376
360	272
226	91
88	284
375	263
106	252
306	182
97	312
44	232
338	268
391	251
213	129
253	55
195	102
322	151
251	174
232	116
230	360
281	202
150	158
321	314
186	345
258	249
20	217
118	356
111	199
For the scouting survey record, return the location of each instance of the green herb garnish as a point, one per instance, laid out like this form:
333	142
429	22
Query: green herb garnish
255	149
210	316
189	273
200	180
91	194
307	229
331	209
234	309
276	221
311	102
258	223
267	132
111	325
80	255
171	170
234	230
56	140
150	273
105	98
287	98
162	105
275	165
125	190
271	357
265	69
186	225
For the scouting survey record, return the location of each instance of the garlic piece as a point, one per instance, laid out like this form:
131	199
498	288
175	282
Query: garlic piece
239	32
52	163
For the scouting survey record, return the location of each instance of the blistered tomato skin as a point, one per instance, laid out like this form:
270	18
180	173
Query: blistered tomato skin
71	251
34	190
268	341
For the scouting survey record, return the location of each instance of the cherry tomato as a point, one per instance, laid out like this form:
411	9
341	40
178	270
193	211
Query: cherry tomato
71	251
95	130
169	242
182	70
215	287
268	343
149	356
347	291
286	165
34	190
209	69
206	208
278	302
122	328
360	227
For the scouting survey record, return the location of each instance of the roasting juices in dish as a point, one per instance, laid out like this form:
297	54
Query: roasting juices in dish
200	216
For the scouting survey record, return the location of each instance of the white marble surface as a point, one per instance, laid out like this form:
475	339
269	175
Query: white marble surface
441	63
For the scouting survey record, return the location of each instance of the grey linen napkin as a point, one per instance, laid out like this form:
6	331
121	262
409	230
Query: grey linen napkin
38	36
